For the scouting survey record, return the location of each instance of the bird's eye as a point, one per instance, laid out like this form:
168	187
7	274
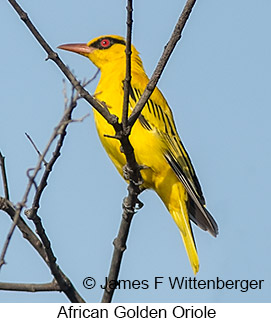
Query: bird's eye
105	43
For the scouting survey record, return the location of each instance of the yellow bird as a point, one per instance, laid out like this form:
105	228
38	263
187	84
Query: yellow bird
157	145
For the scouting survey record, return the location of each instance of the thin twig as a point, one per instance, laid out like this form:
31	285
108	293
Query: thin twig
79	119
22	204
175	37
21	287
64	91
4	175
91	79
8	238
127	80
34	145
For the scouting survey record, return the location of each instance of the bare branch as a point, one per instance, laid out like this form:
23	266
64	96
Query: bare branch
4	175
65	285
20	287
32	213
54	57
120	243
131	171
31	237
60	130
127	80
31	181
175	37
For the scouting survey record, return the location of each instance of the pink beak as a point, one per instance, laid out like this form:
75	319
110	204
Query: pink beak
82	49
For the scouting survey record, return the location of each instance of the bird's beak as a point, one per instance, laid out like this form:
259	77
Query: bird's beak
82	49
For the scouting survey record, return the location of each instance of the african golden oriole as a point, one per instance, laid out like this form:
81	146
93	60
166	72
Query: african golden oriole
168	169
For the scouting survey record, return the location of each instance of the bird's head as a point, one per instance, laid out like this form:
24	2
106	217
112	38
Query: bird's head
102	50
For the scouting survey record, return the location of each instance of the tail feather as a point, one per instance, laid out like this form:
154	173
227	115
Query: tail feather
182	220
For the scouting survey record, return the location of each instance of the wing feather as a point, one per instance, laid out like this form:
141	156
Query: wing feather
159	117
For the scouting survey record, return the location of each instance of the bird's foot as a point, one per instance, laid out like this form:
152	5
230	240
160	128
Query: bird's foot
128	174
130	210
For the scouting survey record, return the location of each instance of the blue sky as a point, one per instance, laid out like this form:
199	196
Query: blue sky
217	83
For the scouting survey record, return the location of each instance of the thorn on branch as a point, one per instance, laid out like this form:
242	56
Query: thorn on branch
52	55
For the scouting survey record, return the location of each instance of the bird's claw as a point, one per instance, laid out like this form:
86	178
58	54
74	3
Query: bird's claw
129	209
139	205
128	174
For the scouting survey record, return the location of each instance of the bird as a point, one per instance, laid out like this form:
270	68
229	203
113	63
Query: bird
168	169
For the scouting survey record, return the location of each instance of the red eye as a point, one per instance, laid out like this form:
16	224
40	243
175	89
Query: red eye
105	43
